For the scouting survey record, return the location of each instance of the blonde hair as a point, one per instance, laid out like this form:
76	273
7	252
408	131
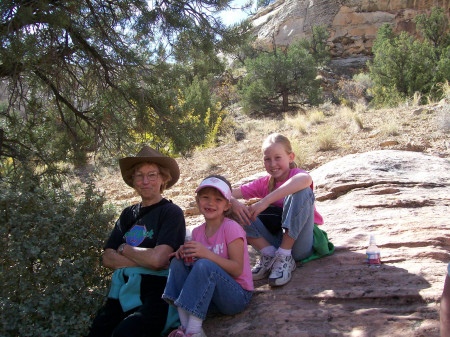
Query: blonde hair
278	138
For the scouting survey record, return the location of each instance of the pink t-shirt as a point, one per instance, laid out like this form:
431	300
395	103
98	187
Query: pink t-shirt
259	188
228	231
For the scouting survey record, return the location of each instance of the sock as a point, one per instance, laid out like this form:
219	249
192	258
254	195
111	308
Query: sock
194	325
269	251
285	252
184	317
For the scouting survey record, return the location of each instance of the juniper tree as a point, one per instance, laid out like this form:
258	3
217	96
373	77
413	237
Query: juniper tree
81	75
403	65
276	76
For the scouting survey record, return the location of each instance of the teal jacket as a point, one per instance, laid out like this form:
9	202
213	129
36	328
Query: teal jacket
128	293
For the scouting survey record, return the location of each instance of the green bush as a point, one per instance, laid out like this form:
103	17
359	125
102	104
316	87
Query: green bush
275	77
403	65
386	96
51	275
200	116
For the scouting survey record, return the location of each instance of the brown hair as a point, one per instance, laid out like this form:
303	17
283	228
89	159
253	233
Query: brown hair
164	172
277	138
228	213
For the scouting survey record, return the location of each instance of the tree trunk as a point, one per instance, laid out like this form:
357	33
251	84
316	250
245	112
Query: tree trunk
285	101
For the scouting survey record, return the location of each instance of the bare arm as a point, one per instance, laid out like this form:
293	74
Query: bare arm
152	258
112	259
234	265
239	209
236	193
294	184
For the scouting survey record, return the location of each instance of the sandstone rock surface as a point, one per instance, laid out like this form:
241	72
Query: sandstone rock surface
352	24
403	199
406	208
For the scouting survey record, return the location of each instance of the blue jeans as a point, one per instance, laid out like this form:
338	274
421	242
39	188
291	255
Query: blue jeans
202	287
298	218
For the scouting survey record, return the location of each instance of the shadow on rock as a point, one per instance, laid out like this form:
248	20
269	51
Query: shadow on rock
338	295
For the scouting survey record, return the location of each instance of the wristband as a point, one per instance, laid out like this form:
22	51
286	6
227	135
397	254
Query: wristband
121	247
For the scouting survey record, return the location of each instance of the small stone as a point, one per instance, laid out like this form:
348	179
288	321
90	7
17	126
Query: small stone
388	143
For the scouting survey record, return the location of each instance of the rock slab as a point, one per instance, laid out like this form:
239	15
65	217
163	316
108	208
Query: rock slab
402	198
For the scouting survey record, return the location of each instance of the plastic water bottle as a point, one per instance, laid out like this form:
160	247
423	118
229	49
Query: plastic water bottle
188	260
373	253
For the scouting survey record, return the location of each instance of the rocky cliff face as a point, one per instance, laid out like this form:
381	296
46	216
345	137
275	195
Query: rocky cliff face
352	24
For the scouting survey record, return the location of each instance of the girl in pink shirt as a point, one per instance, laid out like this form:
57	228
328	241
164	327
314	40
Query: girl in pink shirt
211	272
281	224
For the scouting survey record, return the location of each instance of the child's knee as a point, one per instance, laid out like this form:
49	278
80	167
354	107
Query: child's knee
176	264
305	194
203	266
299	199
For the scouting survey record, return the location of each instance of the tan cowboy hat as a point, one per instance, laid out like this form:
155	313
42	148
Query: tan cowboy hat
148	154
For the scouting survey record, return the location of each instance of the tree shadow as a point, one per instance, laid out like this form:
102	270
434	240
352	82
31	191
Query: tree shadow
338	295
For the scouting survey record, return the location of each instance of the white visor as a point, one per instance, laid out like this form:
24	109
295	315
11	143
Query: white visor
217	184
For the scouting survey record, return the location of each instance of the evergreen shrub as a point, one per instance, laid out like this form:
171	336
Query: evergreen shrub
275	78
403	66
51	275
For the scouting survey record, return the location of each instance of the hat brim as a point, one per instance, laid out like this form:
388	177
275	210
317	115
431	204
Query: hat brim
218	184
126	167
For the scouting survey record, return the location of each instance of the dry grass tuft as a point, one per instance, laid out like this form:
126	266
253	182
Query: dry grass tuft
263	126
358	121
348	118
416	98
390	129
298	123
316	117
446	89
209	165
326	138
302	151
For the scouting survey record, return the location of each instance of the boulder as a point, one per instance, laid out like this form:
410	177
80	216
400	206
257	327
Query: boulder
401	198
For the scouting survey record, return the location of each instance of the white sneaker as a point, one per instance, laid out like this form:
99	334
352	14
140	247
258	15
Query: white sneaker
282	269
262	267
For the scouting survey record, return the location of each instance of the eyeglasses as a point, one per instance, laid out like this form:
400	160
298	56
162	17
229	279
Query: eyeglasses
151	176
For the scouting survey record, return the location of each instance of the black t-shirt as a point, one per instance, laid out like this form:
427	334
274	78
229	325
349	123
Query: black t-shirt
159	224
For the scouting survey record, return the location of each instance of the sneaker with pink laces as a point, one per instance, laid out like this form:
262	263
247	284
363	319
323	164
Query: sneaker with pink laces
178	332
